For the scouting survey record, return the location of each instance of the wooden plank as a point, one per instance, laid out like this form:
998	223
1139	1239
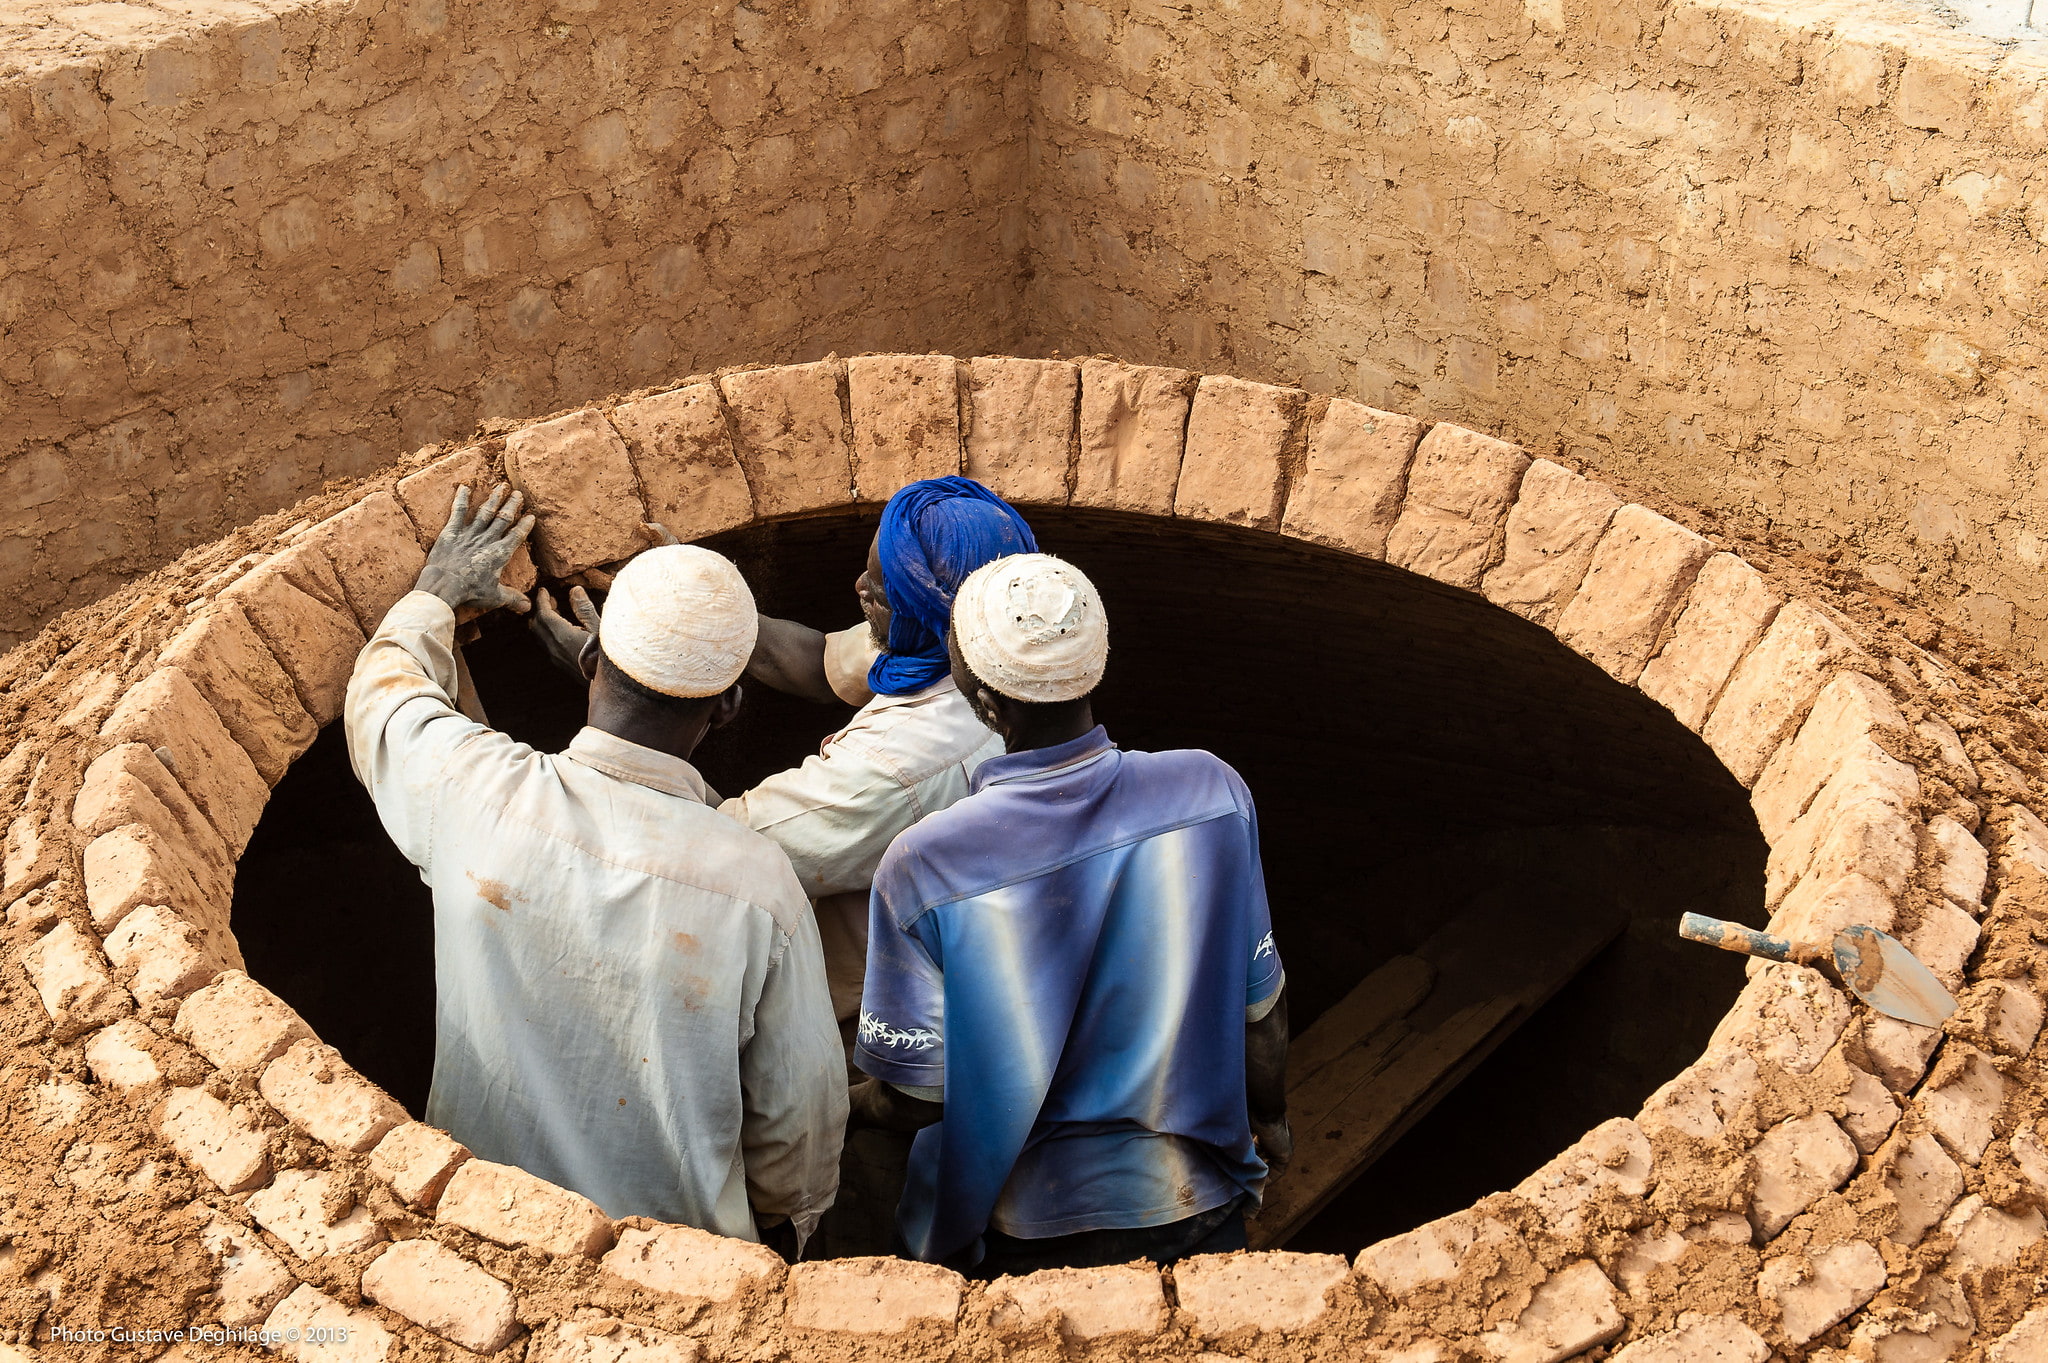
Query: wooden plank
1377	1062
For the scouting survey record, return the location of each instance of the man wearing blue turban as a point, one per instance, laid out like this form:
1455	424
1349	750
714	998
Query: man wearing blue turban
914	742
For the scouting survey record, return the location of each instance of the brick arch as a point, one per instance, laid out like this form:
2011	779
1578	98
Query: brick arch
151	773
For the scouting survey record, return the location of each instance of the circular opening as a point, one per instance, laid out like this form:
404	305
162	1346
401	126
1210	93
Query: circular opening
1476	845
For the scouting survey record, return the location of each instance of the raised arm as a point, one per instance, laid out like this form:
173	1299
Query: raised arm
791	657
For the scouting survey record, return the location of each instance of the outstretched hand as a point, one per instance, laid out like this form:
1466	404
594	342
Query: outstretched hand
464	565
563	639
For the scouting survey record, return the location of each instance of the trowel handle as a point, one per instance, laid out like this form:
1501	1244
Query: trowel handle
1718	932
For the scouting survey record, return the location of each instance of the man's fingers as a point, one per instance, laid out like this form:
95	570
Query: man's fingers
586	610
510	510
515	602
458	510
491	503
659	533
544	603
520	531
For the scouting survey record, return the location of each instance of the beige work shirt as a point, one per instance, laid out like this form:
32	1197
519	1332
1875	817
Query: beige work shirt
631	991
901	758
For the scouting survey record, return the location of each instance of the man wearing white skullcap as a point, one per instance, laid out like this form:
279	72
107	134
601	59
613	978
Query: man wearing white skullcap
1072	989
631	996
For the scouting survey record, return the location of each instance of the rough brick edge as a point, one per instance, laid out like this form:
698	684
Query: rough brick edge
1541	1259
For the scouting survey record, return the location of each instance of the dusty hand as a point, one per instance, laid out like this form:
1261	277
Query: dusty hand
465	562
1276	1145
659	533
562	638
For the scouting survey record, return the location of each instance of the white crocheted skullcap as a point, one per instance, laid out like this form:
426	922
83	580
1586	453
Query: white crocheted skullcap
1032	627
680	620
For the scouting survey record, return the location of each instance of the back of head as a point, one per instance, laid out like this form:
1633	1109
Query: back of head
934	533
1031	627
679	622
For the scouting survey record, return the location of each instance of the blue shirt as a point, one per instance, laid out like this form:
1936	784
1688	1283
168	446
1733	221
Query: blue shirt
1069	951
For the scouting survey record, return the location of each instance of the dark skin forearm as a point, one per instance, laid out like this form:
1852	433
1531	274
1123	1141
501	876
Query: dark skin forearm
1265	1063
791	657
888	1108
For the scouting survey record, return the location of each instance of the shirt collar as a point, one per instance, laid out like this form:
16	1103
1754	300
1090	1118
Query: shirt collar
1014	766
615	756
937	688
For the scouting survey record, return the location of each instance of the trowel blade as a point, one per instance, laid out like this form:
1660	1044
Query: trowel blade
1890	978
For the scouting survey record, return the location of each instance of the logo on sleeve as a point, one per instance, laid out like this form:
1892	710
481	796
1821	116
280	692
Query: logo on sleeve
875	1032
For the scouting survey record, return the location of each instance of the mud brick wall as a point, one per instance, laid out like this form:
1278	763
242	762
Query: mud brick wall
1779	263
249	247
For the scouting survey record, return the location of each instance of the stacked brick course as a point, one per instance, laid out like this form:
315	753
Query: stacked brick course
1799	1187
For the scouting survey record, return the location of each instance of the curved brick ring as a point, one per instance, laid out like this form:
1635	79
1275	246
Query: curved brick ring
1816	1157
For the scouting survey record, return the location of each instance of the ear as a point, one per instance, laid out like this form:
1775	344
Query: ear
996	706
728	708
586	661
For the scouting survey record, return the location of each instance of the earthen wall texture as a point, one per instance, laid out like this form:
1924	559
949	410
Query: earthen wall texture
1783	264
248	247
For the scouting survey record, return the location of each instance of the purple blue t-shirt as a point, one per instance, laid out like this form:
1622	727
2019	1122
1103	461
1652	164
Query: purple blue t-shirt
1068	952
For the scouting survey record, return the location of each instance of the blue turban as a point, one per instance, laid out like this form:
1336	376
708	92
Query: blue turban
934	533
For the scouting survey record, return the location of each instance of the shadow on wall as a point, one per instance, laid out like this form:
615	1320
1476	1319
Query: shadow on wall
1418	757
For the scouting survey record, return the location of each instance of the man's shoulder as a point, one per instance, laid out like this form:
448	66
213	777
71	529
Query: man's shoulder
1193	776
915	738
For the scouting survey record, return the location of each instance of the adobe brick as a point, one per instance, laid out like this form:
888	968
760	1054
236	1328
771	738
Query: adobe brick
1460	487
1895	1051
1787	1015
1817	908
1797	1162
432	1286
1847	830
1703	1097
429	495
1132	422
223	1143
314	640
128	784
1835	740
165	710
1276	1292
1614	1157
1698	1339
1432	1253
2026	1342
238	1024
1961	865
24	864
686	1262
233	670
1570	1312
374	553
123	1057
318	1093
682	450
1240	439
906	421
134	865
1349	492
1813	1292
512	1207
1723	616
1924	1183
417	1160
300	1208
792	438
872	1296
252	1279
1772	688
1961	1099
1869	1112
169	956
579	481
1020	426
327	1331
1943	940
1554	526
1085	1304
1989	1238
1640	572
72	980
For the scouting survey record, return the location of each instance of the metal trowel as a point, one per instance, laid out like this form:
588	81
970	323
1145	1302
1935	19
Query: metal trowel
1875	966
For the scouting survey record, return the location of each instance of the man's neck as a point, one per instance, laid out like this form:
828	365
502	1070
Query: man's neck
1049	729
636	725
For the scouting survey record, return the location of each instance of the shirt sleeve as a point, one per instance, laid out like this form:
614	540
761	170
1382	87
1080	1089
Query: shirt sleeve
793	1087
848	656
1264	974
835	815
902	1038
402	725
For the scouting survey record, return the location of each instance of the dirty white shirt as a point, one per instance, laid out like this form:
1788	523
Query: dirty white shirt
632	998
901	758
